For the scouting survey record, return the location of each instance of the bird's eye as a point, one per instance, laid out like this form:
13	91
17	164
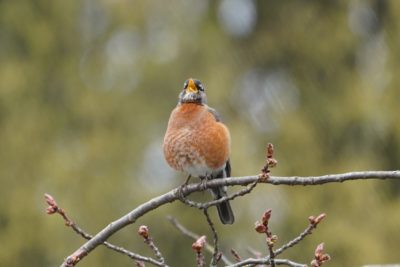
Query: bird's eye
199	85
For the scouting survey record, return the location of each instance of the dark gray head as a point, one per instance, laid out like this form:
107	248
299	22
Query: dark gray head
193	92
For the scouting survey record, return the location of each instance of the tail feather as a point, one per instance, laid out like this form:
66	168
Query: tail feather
224	208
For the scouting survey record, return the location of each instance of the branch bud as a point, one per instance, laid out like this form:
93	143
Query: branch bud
319	256
52	208
260	228
144	231
266	216
316	220
199	244
270	150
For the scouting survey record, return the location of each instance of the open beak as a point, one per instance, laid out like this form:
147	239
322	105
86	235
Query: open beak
191	88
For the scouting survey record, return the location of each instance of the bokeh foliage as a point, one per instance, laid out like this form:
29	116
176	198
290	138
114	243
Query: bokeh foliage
86	90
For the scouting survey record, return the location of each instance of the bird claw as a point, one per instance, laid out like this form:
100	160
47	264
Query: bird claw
182	188
203	183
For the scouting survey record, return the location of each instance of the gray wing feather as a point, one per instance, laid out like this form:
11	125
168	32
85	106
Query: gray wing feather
215	113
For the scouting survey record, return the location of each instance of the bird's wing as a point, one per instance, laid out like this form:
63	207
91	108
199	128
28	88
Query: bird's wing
228	168
227	171
215	114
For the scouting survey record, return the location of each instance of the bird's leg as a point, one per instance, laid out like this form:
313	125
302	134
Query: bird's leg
203	182
182	187
187	180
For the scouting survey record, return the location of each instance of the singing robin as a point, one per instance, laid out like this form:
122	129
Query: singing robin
198	143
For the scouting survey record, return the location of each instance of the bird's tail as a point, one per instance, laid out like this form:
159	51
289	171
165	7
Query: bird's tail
224	208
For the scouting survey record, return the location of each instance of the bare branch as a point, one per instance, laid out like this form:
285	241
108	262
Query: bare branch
173	195
54	208
195	236
241	192
255	253
289	263
208	204
266	260
216	254
198	246
313	224
262	227
236	255
144	232
184	230
320	257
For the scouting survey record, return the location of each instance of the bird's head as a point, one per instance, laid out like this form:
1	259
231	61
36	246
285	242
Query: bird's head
193	92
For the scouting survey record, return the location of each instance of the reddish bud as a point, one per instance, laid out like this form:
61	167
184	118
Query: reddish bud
266	216
52	208
325	258
319	249
314	263
260	228
272	162
270	150
50	200
316	220
143	231
320	218
320	257
271	240
199	244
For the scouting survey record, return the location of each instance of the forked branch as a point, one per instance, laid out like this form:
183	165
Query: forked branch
174	195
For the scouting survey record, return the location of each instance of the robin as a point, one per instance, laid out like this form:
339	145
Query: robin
198	143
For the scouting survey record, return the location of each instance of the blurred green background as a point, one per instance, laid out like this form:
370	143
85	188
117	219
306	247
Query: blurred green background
86	89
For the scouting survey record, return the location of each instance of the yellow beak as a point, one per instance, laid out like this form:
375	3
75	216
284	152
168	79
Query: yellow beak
191	88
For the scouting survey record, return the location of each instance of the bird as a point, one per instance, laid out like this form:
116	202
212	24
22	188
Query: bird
197	142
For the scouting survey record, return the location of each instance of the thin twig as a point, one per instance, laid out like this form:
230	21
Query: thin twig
198	246
155	249
320	257
208	204
242	192
182	228
289	263
216	255
262	227
236	255
296	240
314	221
200	259
145	233
256	254
54	208
173	195
270	245
266	260
195	236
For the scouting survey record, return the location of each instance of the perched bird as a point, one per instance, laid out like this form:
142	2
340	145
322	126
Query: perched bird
198	143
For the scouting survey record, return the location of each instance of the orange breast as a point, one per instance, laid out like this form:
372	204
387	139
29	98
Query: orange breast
195	140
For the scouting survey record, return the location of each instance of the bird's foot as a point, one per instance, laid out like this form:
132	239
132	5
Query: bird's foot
181	189
203	183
